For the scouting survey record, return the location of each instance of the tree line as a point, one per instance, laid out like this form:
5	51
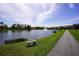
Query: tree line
18	27
14	27
73	26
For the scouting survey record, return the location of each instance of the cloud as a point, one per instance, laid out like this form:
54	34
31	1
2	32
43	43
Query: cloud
71	5
26	13
75	19
20	13
72	20
46	14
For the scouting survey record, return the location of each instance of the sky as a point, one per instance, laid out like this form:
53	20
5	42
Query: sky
39	14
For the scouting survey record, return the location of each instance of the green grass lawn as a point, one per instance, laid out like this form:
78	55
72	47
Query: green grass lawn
75	33
41	49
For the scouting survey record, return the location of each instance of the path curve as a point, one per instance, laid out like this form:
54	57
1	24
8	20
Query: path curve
66	46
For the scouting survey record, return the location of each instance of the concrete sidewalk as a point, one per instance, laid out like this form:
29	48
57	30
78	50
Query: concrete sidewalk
66	46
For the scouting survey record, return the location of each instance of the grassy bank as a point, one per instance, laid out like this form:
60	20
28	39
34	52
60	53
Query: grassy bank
75	33
42	48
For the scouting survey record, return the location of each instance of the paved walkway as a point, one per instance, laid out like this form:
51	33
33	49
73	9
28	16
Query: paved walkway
66	46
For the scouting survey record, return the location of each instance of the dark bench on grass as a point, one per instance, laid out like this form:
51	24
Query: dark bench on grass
54	31
31	43
14	41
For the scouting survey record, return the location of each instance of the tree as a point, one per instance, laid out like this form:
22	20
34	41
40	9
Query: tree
1	26
28	28
6	27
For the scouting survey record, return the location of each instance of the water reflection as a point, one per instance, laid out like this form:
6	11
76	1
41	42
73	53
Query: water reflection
34	34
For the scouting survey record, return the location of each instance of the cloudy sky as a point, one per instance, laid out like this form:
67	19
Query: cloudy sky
39	14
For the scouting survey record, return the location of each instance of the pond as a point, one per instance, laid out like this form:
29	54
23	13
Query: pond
32	35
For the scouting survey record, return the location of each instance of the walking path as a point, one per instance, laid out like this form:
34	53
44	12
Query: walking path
66	46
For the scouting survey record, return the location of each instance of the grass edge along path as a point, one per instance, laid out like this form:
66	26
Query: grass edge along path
75	34
41	49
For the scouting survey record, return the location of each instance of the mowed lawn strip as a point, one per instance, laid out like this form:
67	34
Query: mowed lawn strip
44	45
75	33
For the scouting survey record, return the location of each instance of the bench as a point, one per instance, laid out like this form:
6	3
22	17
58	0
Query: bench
54	31
31	43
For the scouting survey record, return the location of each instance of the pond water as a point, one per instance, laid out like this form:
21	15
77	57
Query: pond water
31	35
